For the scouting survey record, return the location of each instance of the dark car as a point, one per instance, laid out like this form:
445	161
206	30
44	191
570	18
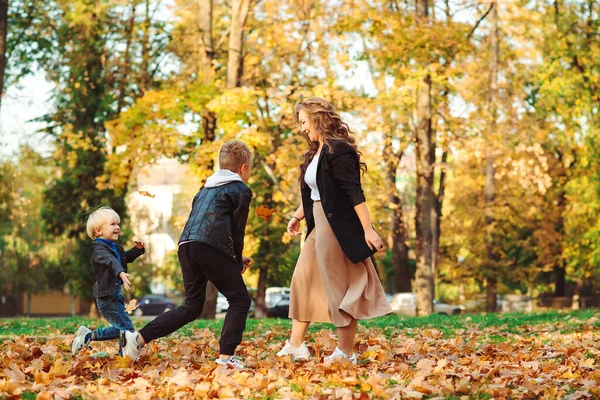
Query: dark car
153	305
280	309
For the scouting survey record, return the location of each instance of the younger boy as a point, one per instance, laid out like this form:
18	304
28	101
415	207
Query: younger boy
210	249
109	261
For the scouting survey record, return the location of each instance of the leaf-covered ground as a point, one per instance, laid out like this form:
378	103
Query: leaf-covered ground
547	355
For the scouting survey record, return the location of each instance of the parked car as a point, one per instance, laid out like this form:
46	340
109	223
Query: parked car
223	304
281	308
406	304
274	294
153	305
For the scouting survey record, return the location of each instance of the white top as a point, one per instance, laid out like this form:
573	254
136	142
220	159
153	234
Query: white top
310	177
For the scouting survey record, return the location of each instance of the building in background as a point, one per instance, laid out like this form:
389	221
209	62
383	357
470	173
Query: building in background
169	184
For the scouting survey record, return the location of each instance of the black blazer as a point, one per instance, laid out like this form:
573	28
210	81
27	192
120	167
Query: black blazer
338	180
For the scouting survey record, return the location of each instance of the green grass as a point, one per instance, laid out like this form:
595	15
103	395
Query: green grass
389	325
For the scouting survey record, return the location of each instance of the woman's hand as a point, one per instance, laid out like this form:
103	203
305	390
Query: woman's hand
293	227
373	240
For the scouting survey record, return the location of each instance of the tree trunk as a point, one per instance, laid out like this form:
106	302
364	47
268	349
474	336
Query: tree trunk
29	303
207	52
94	314
492	259
209	310
260	307
205	69
145	79
400	259
72	300
560	272
3	32
209	123
491	303
424	202
437	219
239	14
127	62
560	281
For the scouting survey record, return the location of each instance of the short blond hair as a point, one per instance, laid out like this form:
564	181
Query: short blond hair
234	154
103	215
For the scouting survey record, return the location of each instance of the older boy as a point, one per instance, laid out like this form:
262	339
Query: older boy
210	249
109	261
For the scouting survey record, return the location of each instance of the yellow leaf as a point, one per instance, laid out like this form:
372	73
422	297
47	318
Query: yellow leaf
132	305
147	194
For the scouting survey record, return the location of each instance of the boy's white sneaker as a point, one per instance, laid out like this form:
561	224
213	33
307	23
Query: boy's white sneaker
79	343
341	356
130	344
233	362
296	353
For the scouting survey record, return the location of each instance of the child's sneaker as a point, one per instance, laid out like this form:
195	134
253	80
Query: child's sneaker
296	353
81	340
233	362
130	345
341	356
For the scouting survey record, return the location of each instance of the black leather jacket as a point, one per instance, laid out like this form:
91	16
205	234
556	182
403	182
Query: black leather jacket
218	218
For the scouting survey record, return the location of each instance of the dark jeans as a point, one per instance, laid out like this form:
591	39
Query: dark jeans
113	309
199	264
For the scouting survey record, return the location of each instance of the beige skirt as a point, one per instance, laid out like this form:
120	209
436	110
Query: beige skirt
328	287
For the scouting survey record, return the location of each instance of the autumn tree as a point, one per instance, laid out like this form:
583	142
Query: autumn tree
85	69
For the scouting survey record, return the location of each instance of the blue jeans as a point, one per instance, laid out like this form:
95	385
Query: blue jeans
113	309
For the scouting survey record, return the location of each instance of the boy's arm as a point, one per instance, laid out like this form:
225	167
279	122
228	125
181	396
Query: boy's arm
135	252
106	257
238	221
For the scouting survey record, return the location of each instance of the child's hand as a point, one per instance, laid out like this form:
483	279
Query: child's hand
247	261
139	244
125	278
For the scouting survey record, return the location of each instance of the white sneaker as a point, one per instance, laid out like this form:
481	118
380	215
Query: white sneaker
130	345
296	353
79	343
233	362
341	356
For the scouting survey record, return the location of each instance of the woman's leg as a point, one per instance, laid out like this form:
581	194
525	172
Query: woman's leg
346	336
298	332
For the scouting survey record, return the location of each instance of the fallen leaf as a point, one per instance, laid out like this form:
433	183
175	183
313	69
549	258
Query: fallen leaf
412	394
426	365
14	373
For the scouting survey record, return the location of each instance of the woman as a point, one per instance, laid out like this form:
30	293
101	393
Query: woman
334	266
